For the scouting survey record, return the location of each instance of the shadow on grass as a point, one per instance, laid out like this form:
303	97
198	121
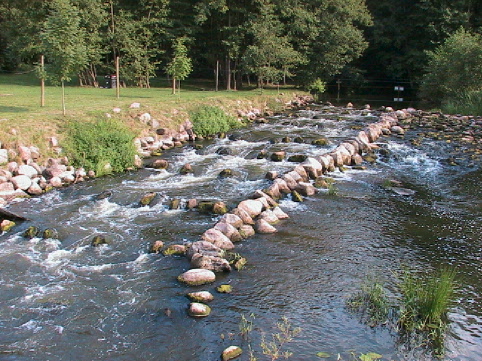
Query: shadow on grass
11	109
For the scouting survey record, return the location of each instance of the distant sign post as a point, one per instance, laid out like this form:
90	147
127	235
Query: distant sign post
398	89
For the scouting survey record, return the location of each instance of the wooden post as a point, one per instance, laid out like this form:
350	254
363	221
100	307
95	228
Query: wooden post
217	75
117	71
42	81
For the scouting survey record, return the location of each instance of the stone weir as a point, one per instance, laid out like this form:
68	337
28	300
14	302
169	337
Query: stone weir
214	251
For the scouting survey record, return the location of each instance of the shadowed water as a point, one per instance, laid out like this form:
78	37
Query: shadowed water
62	299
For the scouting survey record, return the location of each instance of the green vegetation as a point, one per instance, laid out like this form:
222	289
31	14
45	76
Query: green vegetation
425	300
467	103
454	71
104	146
210	120
371	302
274	347
317	88
180	65
421	315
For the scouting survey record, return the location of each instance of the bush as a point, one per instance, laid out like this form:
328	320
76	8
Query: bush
454	68
317	88
209	120
95	145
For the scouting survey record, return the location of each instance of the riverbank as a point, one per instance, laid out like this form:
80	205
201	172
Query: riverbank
32	160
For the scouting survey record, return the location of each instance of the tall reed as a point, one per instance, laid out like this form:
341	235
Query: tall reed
426	300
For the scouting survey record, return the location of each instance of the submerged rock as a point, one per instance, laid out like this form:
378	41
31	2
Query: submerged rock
174	250
50	233
98	240
156	247
403	191
224	289
147	199
31	232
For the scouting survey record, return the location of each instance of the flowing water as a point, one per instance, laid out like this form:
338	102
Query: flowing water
61	299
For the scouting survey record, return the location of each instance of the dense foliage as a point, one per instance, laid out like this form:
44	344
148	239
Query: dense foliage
210	120
455	67
249	41
103	146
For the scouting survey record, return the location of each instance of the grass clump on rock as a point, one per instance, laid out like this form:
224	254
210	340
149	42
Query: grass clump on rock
104	146
210	120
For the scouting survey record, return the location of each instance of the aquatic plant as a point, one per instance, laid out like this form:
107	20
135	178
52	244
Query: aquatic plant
246	325
371	302
273	348
425	300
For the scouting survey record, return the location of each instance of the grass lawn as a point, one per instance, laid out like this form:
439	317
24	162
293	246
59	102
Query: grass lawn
24	121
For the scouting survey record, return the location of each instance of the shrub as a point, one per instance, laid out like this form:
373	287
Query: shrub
317	88
454	68
209	120
95	145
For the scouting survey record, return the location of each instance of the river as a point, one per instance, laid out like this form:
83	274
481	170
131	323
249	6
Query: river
62	299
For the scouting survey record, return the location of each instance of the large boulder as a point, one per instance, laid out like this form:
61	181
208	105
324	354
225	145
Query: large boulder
197	277
27	170
245	217
252	206
232	219
204	248
278	212
212	263
305	189
246	231
313	167
229	231
22	182
262	226
269	216
217	238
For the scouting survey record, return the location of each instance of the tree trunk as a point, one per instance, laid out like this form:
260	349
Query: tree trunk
228	73
173	85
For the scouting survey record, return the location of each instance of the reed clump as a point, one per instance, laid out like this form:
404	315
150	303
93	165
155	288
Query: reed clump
426	300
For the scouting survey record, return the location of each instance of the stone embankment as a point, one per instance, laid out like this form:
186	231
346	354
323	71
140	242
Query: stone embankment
23	173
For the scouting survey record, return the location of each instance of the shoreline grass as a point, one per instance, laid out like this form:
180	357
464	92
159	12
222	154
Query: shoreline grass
24	122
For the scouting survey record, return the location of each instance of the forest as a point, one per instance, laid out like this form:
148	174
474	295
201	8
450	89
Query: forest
434	45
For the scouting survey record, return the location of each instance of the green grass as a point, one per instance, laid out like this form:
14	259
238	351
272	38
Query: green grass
468	104
425	300
23	121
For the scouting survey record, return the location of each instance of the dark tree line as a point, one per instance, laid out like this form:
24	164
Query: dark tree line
256	41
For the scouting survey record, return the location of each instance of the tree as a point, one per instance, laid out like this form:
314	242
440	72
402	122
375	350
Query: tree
137	30
271	55
454	68
181	65
63	41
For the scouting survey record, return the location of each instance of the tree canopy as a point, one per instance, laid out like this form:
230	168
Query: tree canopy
262	40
